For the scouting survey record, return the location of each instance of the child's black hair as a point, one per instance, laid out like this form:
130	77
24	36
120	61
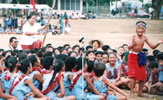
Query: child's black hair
12	63
88	52
105	47
70	63
69	54
57	67
88	47
24	64
21	56
150	58
47	62
99	69
144	49
90	66
48	53
33	59
75	47
61	56
160	56
155	53
153	64
99	52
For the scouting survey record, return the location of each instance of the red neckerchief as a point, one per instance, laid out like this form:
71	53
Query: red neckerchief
16	83
124	70
46	72
53	84
41	66
74	81
155	79
115	74
161	70
148	75
7	77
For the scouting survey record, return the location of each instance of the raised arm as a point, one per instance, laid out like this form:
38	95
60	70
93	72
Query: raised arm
152	46
132	42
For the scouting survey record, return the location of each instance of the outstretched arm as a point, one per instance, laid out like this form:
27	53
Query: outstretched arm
153	46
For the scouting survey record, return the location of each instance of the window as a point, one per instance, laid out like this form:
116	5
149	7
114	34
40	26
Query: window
72	4
62	4
67	4
77	4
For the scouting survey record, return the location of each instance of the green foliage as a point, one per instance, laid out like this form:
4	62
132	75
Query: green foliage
146	6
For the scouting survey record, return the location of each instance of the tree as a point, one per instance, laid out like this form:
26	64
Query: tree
157	5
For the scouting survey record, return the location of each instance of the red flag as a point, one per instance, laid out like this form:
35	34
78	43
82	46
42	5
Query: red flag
32	2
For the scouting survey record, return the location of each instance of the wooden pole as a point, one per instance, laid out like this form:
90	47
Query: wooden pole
48	23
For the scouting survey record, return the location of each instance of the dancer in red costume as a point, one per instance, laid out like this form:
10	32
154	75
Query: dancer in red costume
136	59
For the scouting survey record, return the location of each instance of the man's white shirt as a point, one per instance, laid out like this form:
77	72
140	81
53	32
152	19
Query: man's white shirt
28	40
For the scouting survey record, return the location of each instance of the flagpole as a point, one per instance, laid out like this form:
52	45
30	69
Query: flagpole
48	23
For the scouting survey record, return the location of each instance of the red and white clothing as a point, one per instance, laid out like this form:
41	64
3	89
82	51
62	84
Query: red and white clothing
27	41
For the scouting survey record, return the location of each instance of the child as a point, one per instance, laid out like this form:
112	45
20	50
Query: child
90	56
22	84
77	86
150	58
123	72
112	69
159	84
8	76
54	81
120	51
137	72
98	82
70	64
98	55
153	75
105	58
35	75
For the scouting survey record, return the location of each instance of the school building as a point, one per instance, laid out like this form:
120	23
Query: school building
69	6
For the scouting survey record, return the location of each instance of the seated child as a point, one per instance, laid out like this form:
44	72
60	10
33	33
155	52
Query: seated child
100	79
22	85
112	68
153	76
123	79
159	85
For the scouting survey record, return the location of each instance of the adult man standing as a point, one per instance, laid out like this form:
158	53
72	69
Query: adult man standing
13	44
30	30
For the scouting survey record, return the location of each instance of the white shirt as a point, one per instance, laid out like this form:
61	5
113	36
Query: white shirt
28	40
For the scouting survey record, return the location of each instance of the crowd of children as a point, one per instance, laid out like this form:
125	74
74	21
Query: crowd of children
56	73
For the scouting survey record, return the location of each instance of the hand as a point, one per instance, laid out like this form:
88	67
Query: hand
59	95
160	41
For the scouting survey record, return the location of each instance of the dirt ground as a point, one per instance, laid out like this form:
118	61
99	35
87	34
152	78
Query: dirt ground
113	32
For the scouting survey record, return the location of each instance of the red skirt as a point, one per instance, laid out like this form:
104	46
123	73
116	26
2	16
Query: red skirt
134	70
